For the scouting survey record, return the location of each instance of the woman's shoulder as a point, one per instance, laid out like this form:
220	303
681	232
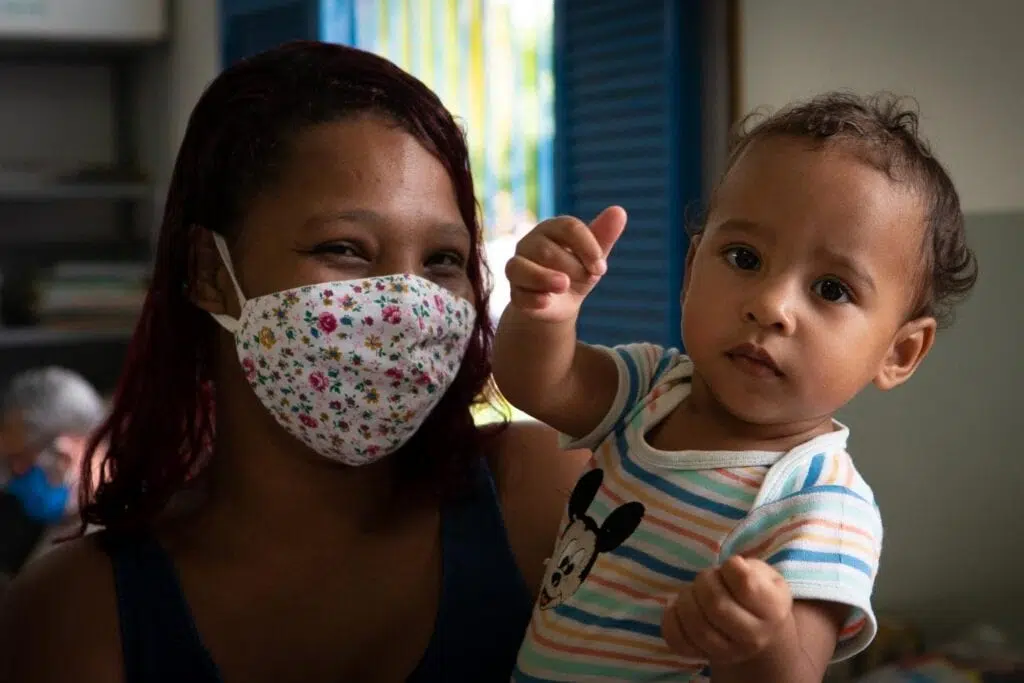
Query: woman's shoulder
528	445
58	618
534	477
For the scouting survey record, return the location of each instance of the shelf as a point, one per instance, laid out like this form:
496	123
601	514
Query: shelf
28	337
14	50
57	191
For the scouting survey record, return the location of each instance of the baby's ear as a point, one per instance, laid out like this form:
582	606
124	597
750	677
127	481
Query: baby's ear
690	254
910	345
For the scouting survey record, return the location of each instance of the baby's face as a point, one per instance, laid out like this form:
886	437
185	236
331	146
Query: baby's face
798	292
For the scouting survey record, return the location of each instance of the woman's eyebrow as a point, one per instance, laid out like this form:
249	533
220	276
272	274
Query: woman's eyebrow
374	218
364	216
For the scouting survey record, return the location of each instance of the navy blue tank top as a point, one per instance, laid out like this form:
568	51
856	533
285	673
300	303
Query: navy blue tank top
482	617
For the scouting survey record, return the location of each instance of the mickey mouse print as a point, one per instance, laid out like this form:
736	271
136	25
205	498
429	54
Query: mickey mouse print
583	540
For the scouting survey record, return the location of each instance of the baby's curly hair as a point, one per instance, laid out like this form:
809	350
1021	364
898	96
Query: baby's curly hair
883	129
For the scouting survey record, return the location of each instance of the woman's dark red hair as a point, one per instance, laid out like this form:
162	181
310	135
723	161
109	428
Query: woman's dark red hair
161	427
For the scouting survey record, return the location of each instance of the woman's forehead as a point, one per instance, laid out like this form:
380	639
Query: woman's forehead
364	156
364	171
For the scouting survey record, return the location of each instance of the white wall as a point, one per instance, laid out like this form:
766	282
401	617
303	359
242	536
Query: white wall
963	61
171	82
945	458
942	452
194	60
176	78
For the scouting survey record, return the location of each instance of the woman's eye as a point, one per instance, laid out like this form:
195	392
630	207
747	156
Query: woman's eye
742	258
342	249
447	259
832	290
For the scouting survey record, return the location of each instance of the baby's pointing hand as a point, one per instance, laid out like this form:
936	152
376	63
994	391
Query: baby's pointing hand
559	262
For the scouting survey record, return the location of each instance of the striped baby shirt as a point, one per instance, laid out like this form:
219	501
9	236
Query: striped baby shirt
641	523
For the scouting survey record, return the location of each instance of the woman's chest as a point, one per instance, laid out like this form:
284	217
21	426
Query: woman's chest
365	636
370	620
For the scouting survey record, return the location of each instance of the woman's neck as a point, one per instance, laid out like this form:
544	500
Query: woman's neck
262	479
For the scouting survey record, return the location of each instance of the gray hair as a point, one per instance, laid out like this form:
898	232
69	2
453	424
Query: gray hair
54	401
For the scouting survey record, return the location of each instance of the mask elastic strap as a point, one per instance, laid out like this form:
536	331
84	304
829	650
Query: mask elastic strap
226	321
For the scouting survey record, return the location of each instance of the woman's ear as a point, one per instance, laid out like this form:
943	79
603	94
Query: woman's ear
207	276
909	347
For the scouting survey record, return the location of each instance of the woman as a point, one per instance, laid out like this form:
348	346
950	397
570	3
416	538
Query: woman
319	297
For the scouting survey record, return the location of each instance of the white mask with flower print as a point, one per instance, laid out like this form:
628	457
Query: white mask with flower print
351	368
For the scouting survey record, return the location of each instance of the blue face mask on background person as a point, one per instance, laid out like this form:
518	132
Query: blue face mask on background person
43	500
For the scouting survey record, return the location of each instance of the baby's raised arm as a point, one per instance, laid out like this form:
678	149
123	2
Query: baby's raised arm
539	364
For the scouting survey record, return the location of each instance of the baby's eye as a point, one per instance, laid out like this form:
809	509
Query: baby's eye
742	258
832	290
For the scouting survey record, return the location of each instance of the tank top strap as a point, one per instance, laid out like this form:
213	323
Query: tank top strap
485	605
159	640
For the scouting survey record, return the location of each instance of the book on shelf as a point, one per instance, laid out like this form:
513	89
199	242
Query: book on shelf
81	297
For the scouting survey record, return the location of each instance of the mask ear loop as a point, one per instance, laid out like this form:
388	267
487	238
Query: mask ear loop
226	321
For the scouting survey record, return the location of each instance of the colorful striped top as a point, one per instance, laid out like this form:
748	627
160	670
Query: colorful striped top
641	523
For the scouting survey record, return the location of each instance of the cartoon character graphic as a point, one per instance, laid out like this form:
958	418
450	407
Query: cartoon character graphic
583	540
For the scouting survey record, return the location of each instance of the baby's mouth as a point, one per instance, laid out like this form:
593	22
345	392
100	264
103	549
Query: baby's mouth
754	359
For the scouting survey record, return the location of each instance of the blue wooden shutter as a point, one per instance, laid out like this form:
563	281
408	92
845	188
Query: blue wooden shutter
628	132
252	26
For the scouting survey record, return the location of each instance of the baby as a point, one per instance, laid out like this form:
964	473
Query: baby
721	525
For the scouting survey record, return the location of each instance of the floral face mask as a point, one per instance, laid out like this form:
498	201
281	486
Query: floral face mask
351	368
